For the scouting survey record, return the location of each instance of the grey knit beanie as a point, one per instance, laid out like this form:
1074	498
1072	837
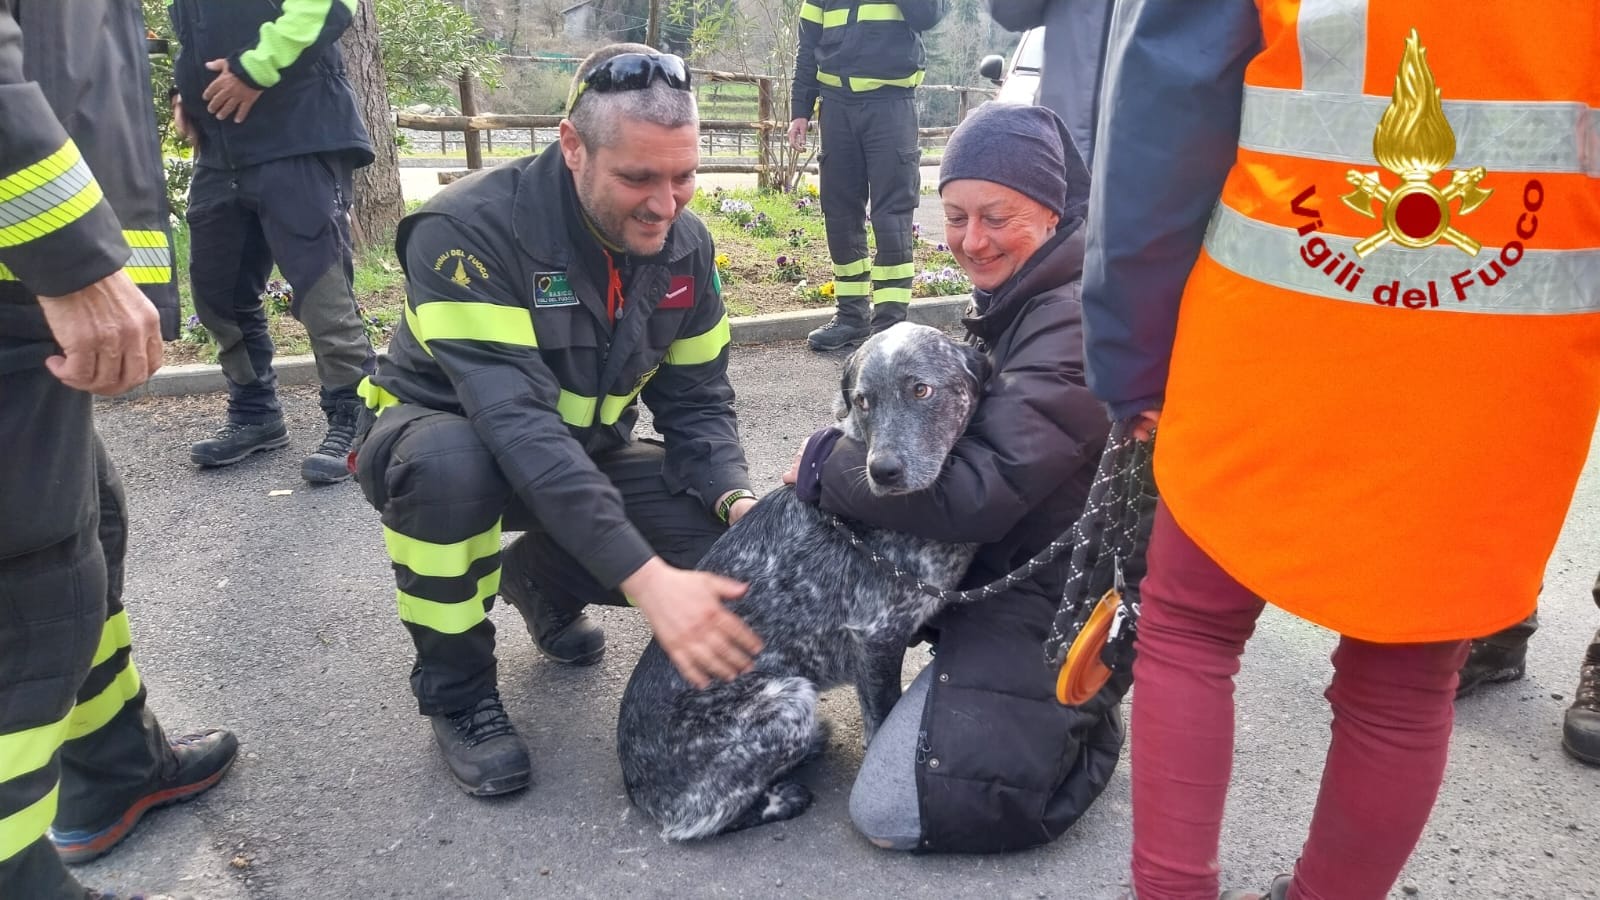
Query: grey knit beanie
1018	146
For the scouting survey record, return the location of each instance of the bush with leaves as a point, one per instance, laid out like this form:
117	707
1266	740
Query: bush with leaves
427	45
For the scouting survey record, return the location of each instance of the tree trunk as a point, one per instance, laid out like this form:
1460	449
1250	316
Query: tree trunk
378	203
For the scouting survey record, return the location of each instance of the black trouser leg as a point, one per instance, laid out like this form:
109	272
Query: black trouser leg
677	526
443	500
304	207
228	267
52	606
115	749
887	131
842	169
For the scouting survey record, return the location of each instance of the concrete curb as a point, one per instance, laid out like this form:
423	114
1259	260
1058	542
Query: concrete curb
206	378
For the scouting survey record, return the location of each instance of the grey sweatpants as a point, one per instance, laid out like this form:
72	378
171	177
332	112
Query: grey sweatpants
883	802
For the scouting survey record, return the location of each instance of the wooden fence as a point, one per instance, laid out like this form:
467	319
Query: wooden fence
471	124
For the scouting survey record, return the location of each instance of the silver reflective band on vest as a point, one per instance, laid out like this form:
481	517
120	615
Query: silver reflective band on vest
1500	136
1333	45
46	196
1543	282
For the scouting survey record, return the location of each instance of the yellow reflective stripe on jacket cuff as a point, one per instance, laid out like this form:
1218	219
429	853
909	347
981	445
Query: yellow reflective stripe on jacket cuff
19	830
376	398
845	270
52	219
149	274
50	170
448	618
453	320
890	273
833	18
113	637
441	560
702	348
29	750
575	409
810	12
892	295
89	717
879	12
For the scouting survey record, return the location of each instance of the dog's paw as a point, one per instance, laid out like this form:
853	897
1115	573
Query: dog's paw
785	801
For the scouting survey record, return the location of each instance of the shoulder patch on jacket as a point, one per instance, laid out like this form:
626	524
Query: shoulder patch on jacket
680	293
460	266
550	289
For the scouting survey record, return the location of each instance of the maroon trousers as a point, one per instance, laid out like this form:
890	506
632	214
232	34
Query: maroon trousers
1392	715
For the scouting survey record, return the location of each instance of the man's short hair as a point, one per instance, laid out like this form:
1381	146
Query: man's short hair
597	116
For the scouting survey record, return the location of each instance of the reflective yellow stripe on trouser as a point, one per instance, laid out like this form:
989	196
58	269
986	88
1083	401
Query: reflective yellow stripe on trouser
92	714
447	568
892	284
852	279
23	752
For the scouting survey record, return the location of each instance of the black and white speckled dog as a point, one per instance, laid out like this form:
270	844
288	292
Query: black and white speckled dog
709	761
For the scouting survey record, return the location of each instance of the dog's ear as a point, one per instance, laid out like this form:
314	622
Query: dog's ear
977	366
847	385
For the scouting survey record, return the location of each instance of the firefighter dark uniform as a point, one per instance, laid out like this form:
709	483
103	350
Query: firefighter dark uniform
275	188
508	401
76	204
865	60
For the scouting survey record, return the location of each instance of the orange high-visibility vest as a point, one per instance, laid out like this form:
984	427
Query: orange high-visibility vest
1387	365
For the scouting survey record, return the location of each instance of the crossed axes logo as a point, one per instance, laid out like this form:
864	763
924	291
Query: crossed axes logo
1414	141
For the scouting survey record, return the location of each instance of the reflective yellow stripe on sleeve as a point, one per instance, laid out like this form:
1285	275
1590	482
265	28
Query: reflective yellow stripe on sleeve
810	12
453	320
150	262
833	18
701	348
46	196
879	12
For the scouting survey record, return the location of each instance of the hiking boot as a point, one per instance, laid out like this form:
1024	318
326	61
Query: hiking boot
839	333
1580	730
562	634
483	751
236	440
1278	891
330	463
888	314
202	759
1492	663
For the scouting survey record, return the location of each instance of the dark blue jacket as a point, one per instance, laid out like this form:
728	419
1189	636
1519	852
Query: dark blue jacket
290	50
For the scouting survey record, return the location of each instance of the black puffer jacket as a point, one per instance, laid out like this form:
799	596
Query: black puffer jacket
1001	765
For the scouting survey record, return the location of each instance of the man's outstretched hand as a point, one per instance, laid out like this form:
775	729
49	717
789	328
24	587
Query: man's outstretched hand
110	336
688	613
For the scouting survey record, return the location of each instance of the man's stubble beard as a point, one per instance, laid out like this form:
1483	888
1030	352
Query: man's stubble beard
611	230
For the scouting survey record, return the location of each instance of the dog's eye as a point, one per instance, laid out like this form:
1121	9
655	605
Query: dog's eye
861	402
922	391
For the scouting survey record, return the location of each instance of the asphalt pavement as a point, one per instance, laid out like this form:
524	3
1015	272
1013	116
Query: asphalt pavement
267	605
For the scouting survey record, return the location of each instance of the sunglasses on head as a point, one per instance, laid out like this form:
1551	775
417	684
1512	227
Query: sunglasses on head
633	72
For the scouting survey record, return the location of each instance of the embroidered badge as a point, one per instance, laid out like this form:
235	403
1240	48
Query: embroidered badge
460	266
550	289
680	293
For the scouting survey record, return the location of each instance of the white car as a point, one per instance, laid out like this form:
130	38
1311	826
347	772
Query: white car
1020	83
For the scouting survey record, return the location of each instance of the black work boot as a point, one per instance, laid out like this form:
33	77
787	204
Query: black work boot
847	327
201	761
1580	731
330	463
236	440
1498	658
563	634
483	751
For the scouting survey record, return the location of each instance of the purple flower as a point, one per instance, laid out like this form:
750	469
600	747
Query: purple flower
941	247
783	260
194	321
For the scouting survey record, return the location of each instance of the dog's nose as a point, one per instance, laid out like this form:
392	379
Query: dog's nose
886	470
